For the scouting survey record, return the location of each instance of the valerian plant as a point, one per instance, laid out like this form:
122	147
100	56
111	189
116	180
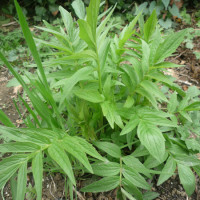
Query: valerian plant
101	105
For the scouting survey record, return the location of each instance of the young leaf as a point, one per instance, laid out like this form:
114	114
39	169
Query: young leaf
103	185
167	171
187	179
21	181
79	8
86	34
149	26
110	148
145	57
173	103
152	138
37	169
131	125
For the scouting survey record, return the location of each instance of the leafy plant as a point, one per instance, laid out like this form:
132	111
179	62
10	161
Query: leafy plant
97	92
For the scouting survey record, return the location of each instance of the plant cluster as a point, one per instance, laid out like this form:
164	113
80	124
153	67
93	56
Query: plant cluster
102	105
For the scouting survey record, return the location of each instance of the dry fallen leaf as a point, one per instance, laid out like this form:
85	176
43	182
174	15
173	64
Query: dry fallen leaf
17	89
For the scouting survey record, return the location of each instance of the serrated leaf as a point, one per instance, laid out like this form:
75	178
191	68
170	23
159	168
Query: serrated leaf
173	103
187	160
166	65
132	189
167	171
187	179
135	163
58	154
150	25
18	147
169	45
106	168
128	195
79	8
152	138
21	181
150	195
89	149
110	148
150	86
193	106
131	125
135	178
86	33
174	10
145	57
72	146
103	185
37	169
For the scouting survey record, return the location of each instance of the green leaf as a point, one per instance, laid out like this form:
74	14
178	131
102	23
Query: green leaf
150	86
21	181
187	179
79	8
166	3
81	74
135	178
187	160
145	57
167	171
37	169
89	149
103	185
109	148
106	168
58	154
128	31
193	106
173	103
149	26
150	195
148	95
86	33
69	24
174	10
169	45
18	147
131	125
5	120
128	195
92	16
152	138
74	148
89	95
135	163
132	189
166	65
30	42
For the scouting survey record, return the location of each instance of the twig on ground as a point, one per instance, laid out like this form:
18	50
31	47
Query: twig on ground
80	196
11	23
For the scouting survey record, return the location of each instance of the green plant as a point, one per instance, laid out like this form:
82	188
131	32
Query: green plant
105	91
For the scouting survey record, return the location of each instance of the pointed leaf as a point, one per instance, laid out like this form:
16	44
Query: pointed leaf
37	169
21	182
152	138
79	8
58	154
187	179
103	185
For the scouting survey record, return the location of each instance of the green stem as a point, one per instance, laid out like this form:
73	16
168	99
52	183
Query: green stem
120	176
99	72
